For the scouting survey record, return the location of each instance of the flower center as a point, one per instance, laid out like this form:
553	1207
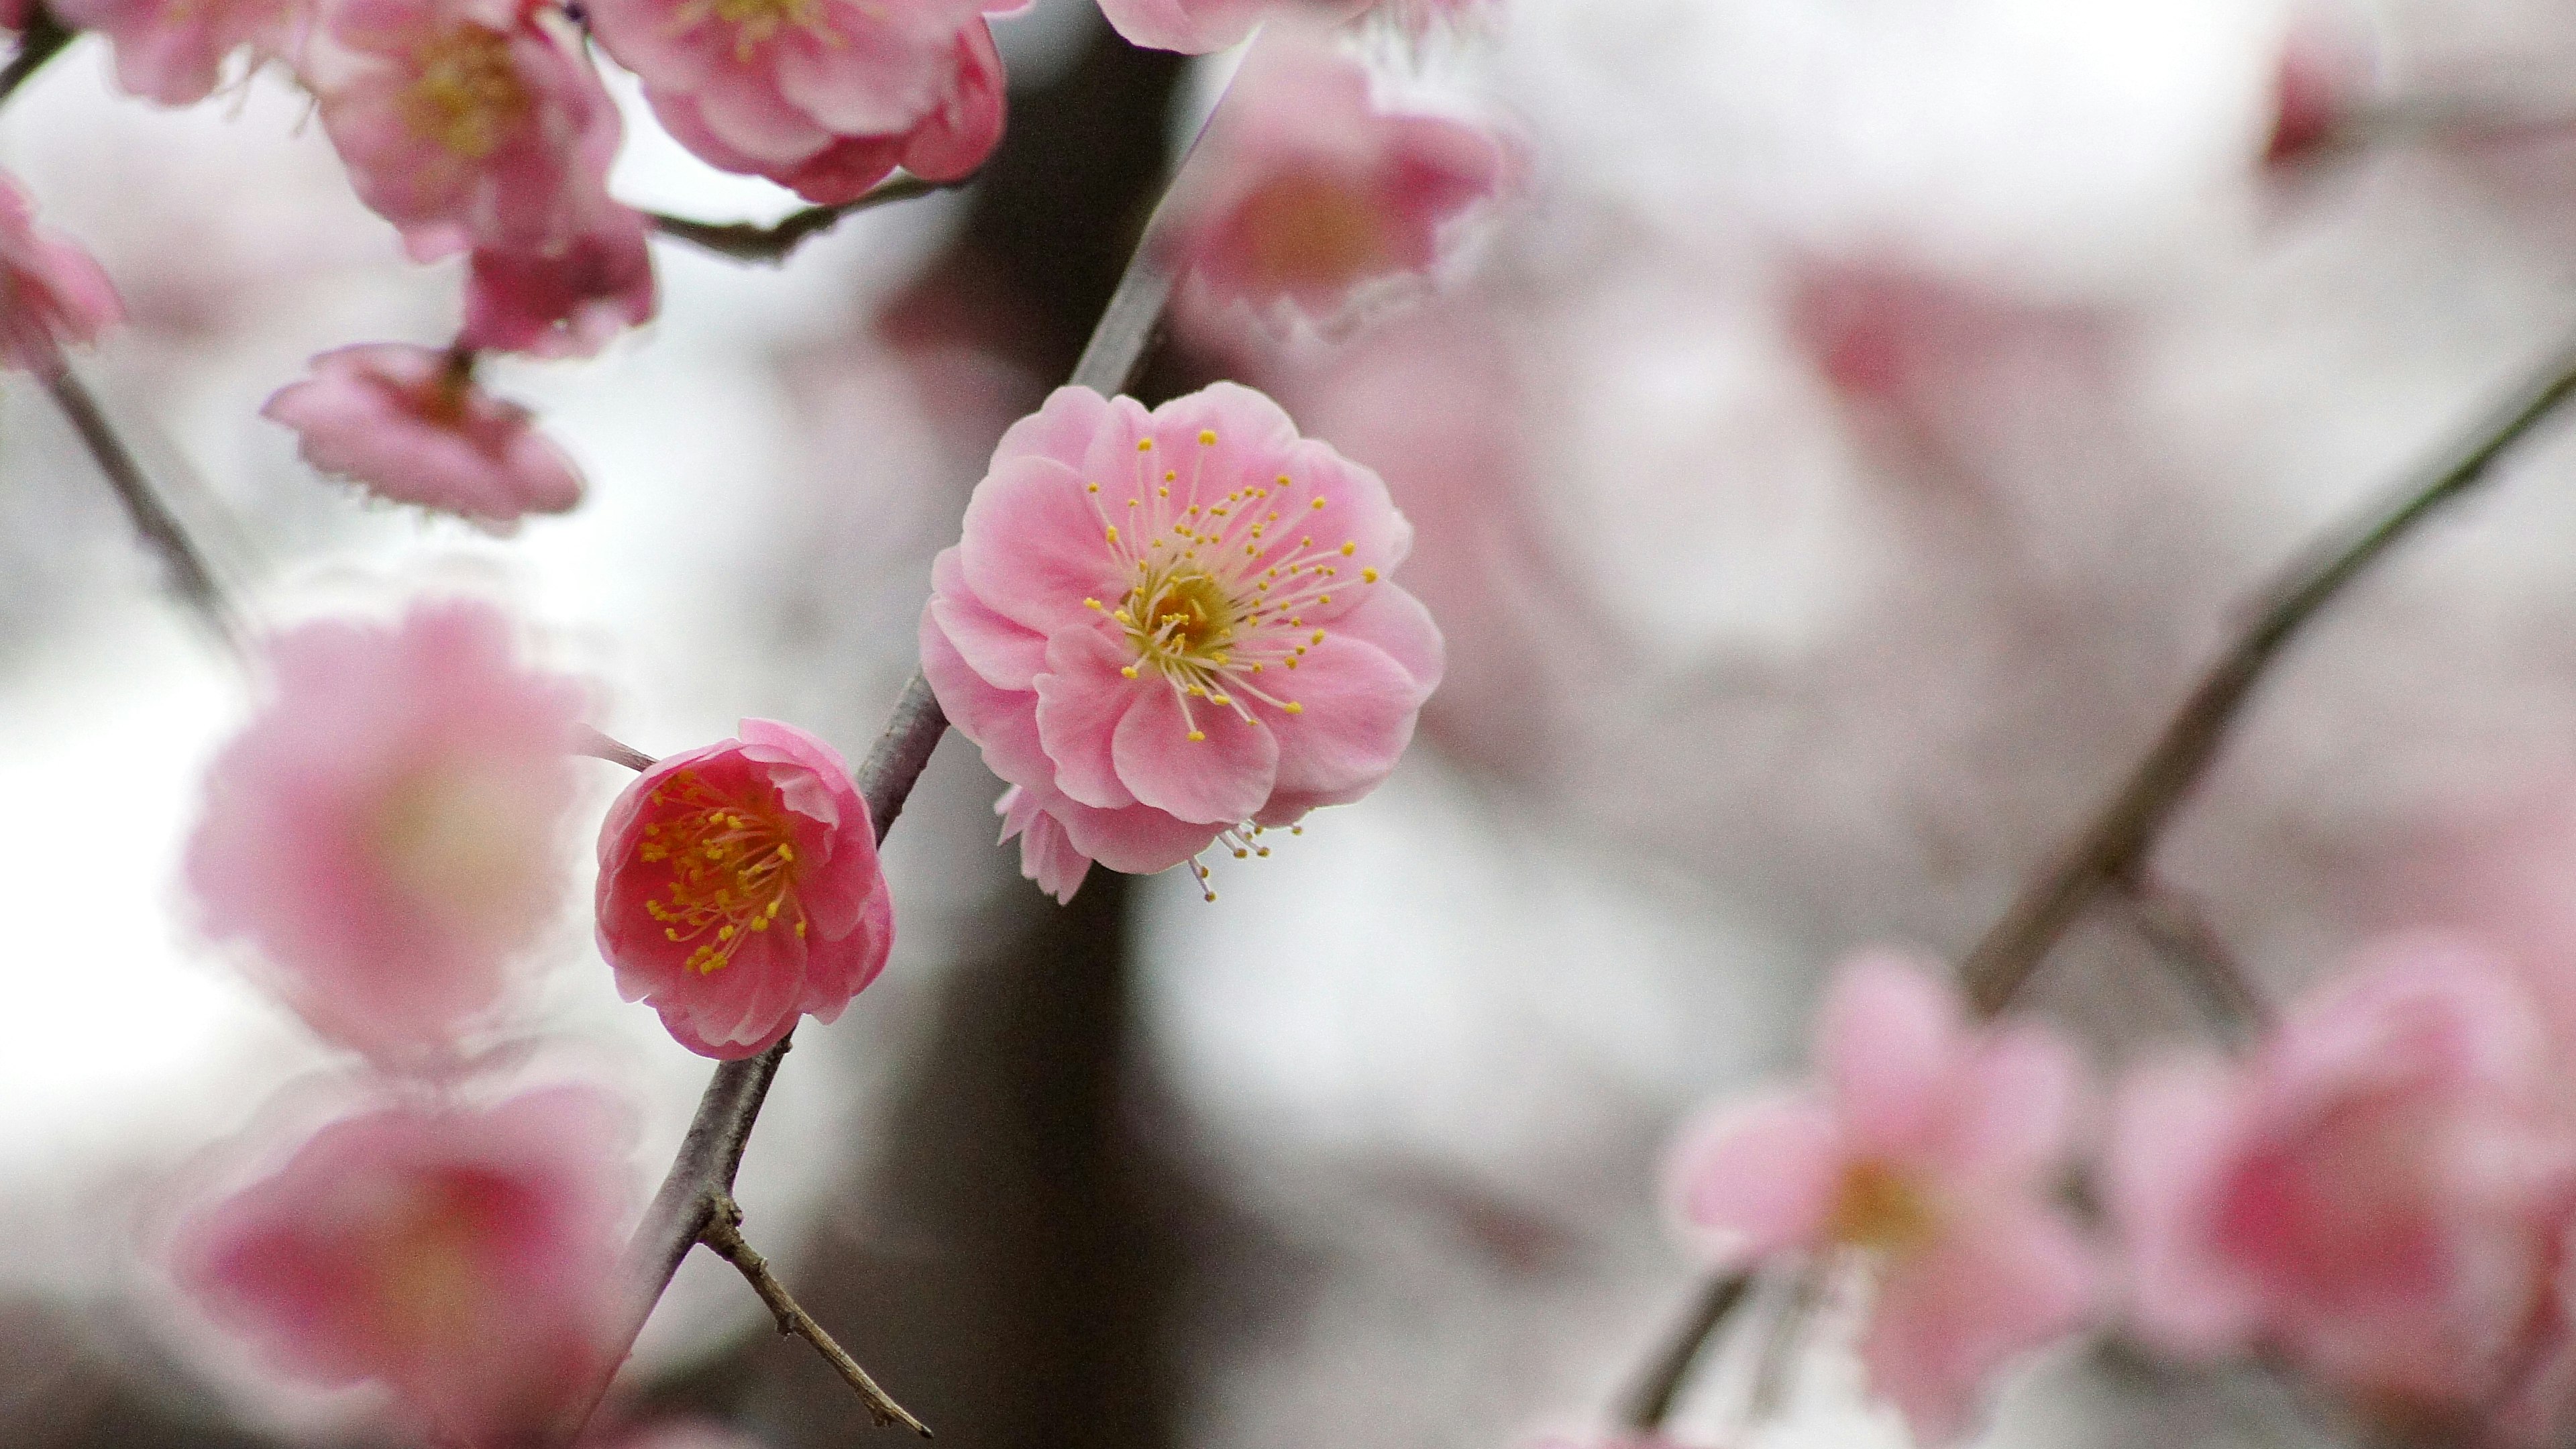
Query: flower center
732	869
755	21
1306	229
1879	1207
1181	615
466	94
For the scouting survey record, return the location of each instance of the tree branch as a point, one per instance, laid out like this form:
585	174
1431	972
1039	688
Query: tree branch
588	741
42	40
2117	843
2176	926
1649	1402
745	241
190	575
723	1233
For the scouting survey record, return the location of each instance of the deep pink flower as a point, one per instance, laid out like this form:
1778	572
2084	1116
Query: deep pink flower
1167	629
946	142
409	425
469	123
770	86
739	889
51	293
1307	192
173	51
564	303
2375	1193
384	831
1934	1150
465	1259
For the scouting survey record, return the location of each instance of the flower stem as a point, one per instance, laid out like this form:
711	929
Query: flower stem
190	574
1650	1401
723	1233
745	241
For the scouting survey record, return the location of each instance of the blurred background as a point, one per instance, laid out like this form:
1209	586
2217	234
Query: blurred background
1829	469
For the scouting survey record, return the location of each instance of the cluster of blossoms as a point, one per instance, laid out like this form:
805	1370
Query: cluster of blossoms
2382	1194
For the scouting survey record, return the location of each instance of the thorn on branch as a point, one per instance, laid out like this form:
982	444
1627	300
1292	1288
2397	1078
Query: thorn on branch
745	241
723	1233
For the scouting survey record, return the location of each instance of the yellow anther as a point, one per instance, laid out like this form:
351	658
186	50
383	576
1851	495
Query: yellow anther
1368	576
1197	735
1128	670
1113	533
1350	548
1207	438
1090	487
1319	503
1144	445
1318	639
1093	604
1293	707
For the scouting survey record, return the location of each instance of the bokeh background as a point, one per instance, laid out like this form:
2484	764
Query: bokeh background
1829	467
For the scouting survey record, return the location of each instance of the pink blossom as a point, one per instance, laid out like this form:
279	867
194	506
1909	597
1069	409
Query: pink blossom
409	425
1308	192
565	303
2374	1194
469	123
384	830
173	51
1196	27
771	86
1933	1150
465	1259
739	889
948	141
1168	629
51	293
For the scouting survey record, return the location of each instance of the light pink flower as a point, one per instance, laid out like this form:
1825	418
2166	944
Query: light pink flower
469	123
1935	1149
564	303
409	425
2375	1193
770	85
1307	193
173	51
739	889
948	141
1166	629
51	293
465	1259
384	830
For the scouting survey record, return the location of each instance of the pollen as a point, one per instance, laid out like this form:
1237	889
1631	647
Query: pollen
1207	438
731	868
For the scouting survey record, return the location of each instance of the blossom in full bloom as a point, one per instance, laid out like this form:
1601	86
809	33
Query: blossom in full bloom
463	1258
1931	1154
384	831
1309	193
468	123
567	302
2378	1193
739	890
1168	629
771	86
51	292
409	425
173	51
948	141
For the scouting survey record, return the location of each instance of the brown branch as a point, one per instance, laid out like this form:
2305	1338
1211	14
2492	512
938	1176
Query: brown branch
723	1233
2179	929
42	40
190	575
745	241
1649	1402
2116	845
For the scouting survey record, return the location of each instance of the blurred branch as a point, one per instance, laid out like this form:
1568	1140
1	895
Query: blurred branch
1775	1373
745	241
723	1233
588	741
42	40
159	527
1649	1402
2176	926
2116	846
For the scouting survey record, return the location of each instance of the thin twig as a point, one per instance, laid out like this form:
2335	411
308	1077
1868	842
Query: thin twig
1649	1402
588	741
723	1233
746	241
42	40
2177	927
2116	845
1775	1372
190	575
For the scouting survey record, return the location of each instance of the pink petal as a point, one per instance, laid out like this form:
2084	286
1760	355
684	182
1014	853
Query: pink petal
1762	1174
1081	699
2174	1128
1002	722
1356	709
1951	1315
1888	1040
1034	548
1219	778
1008	655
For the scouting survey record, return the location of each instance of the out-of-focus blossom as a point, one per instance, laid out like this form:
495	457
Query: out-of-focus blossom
739	889
564	303
409	425
1307	192
947	142
384	832
463	1258
774	86
51	292
469	123
1934	1149
2325	72
1195	27
2377	1193
1174	628
173	51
